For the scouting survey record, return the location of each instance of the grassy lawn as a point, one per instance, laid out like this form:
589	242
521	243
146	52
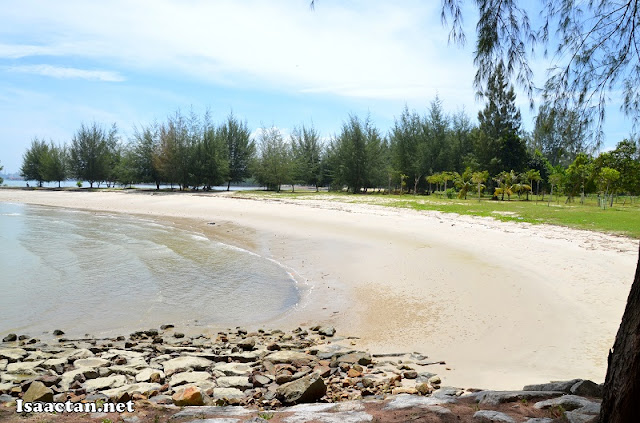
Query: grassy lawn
621	219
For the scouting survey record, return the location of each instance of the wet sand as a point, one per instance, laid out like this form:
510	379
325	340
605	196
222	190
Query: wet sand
504	304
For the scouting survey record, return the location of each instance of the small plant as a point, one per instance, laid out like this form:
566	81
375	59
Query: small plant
107	421
524	402
79	184
99	403
265	415
557	412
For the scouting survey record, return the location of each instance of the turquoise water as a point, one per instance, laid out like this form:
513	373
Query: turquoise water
86	272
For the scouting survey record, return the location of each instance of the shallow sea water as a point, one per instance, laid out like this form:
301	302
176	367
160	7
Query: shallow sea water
87	272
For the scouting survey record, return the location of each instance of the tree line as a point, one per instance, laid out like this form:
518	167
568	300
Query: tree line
421	153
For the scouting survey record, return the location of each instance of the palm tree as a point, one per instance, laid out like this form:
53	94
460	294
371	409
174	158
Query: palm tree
532	175
478	178
505	184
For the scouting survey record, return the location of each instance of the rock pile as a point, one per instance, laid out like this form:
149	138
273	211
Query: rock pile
265	368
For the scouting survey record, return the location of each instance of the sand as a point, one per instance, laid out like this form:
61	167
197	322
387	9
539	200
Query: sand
504	304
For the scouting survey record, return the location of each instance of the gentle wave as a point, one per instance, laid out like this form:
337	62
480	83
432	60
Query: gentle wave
108	273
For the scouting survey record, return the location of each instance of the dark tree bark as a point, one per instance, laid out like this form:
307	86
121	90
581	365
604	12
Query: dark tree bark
621	401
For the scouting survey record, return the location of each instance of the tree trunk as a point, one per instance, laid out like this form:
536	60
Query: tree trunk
621	401
228	185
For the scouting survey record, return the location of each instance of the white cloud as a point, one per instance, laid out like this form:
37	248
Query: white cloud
68	73
375	50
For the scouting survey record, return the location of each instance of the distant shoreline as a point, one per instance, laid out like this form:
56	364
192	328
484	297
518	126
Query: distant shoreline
504	303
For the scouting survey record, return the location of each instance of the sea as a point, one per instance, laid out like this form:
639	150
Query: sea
103	274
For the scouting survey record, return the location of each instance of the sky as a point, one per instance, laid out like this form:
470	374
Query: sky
270	62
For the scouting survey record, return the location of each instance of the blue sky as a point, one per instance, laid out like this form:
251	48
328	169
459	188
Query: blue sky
273	62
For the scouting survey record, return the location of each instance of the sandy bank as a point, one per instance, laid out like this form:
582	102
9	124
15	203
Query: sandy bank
504	304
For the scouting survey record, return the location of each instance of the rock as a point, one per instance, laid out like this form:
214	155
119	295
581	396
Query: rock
6	386
435	380
409	401
55	364
178	335
353	373
167	326
422	388
58	332
240	382
38	392
4	398
499	397
575	417
568	402
145	375
587	388
288	357
403	390
273	347
361	358
233	369
140	388
560	386
50	380
227	393
10	338
24	368
102	383
120	360
307	389
161	399
68	377
327	331
3	364
247	344
91	362
75	354
188	396
189	377
261	380
410	374
247	356
488	416
12	354
185	363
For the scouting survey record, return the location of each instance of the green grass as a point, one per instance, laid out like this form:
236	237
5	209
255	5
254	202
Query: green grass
621	219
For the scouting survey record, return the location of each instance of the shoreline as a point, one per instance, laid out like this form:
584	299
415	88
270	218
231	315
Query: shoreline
504	304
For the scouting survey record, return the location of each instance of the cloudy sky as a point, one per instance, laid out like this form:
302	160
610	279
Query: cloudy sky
271	62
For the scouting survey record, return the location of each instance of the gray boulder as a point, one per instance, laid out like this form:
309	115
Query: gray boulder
499	397
587	388
489	416
561	386
568	402
307	389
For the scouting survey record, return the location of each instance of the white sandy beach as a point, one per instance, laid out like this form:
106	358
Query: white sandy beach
504	304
